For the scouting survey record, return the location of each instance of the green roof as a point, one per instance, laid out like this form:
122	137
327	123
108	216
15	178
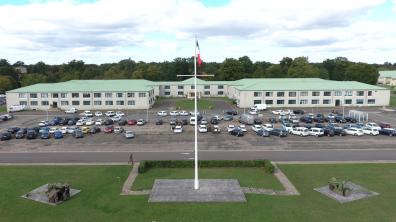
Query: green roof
389	74
121	85
190	81
301	84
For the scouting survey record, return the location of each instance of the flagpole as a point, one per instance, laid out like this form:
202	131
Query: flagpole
196	182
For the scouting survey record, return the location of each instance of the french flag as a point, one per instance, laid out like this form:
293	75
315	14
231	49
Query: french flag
198	54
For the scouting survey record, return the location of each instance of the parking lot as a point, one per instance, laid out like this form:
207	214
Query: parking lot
151	137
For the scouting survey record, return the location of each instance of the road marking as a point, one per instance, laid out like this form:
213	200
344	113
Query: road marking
191	158
185	153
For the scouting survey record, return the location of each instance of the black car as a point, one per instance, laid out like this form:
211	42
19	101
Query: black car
71	122
13	130
231	112
94	130
340	119
319	119
308	126
172	122
258	121
159	122
63	122
20	134
278	132
306	119
78	134
237	132
339	131
263	133
31	134
108	122
387	132
183	122
214	121
5	136
298	111
349	119
45	135
328	131
122	122
319	125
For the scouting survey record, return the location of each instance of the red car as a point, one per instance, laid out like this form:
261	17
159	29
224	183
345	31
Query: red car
109	129
132	122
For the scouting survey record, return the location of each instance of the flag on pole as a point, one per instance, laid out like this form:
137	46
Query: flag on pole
198	54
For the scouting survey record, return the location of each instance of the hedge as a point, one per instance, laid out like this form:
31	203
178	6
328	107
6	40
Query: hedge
145	165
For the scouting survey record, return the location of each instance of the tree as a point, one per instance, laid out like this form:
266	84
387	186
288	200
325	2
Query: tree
33	78
6	83
231	69
363	73
247	65
275	71
300	68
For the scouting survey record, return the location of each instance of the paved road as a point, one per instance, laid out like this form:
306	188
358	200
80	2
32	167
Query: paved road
293	155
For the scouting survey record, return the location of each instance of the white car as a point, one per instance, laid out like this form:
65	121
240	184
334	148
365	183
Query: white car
370	131
192	113
314	131
87	113
178	129
99	122
162	113
70	130
173	113
354	131
43	123
218	117
373	126
71	110
192	120
89	122
300	131
285	112
204	121
243	128
253	112
98	113
230	128
202	129
216	129
118	130
63	129
256	128
288	127
129	135
119	113
80	122
53	130
110	113
116	118
276	112
268	127
141	122
183	113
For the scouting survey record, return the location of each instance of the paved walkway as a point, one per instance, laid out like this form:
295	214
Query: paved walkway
126	188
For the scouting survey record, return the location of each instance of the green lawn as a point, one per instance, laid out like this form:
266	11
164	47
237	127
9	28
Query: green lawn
392	102
248	177
99	199
3	109
188	104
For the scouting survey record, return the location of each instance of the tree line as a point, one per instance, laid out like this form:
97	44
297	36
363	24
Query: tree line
339	69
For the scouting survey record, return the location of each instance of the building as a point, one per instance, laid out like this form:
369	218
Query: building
141	94
387	78
21	69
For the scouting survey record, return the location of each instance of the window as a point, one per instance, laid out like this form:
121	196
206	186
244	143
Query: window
64	103
167	93
109	95
207	93
220	93
348	93
33	103
315	101
280	101
86	103
44	103
371	101
119	95
304	93
292	94
180	87
369	93
75	103
44	95
326	101
338	93
292	101
109	102
75	95
166	87
280	94
257	94
86	95
268	94
304	101
97	103
269	102
180	93
316	93
348	101
120	102
63	95
326	93
206	87
142	94
359	101
130	95
360	93
23	103
192	87
131	102
220	87
256	101
22	95
55	95
33	95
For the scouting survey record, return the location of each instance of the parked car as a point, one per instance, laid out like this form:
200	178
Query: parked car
373	126
178	129
214	120
118	129
108	122
263	133
256	128
340	119
132	122
300	131
20	134
71	110
246	119
5	136
13	130
129	134
230	128
89	122
228	118
43	123
268	127
58	135
242	127
87	113
236	132
98	114
120	114
141	122
110	113
78	134
63	129
216	129
287	127
45	135
231	112
387	131
31	134
298	111
272	120
80	122
384	125
254	112
278	132
183	122
99	122
122	122
306	119
109	129
162	113
318	132
173	113
204	121
202	128
116	118
86	129
183	113
159	122
94	130
71	122
354	131
370	131
257	121
349	119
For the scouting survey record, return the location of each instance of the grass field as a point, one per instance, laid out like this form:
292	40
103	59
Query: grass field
3	109
392	102
99	199
188	104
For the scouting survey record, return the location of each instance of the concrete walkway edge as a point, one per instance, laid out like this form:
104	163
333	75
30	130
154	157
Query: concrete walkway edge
126	188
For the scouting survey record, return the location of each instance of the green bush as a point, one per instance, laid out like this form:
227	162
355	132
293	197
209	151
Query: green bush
145	165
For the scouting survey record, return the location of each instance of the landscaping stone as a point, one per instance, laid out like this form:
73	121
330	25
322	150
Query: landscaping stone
358	192
39	194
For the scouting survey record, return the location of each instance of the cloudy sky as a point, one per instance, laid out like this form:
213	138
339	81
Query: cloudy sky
99	31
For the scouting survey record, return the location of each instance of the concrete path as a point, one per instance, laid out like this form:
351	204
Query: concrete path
126	188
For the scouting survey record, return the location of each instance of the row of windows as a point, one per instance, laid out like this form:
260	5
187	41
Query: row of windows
313	101
192	87
85	103
181	93
314	93
84	95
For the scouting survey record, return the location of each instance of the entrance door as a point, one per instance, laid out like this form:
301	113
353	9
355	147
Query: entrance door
337	102
55	104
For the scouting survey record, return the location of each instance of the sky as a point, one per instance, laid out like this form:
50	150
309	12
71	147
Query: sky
103	31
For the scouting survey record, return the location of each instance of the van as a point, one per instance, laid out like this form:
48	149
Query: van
259	107
192	120
316	132
300	131
16	108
